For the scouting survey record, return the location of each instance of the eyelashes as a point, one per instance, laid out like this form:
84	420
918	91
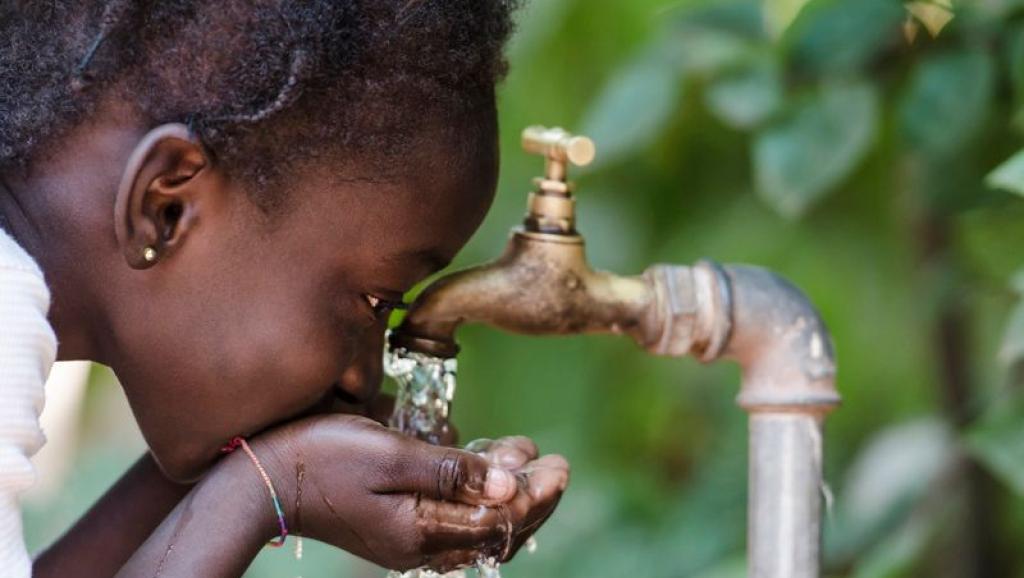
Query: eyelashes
382	307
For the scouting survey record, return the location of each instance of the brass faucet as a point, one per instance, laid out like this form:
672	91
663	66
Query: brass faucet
542	284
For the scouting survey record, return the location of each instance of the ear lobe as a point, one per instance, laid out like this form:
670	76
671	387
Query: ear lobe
155	206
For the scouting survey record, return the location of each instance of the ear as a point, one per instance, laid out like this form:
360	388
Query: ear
156	203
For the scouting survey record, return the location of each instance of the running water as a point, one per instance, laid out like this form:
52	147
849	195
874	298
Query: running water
426	386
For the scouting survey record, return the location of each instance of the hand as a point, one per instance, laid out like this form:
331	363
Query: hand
519	454
402	503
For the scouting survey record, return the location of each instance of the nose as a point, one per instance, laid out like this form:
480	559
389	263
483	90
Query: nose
361	380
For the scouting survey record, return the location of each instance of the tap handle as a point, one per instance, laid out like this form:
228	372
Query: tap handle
558	145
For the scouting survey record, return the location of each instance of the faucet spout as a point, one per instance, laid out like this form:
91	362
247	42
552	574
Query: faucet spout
541	285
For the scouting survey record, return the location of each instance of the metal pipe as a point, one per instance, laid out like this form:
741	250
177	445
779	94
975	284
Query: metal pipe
784	495
762	322
788	366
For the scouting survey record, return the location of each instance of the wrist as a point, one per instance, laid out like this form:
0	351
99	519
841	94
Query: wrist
238	480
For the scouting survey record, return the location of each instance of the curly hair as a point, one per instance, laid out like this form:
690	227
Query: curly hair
273	80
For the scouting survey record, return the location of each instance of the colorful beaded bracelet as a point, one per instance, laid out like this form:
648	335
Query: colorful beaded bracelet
234	444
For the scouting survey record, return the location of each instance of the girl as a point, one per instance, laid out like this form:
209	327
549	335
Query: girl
225	200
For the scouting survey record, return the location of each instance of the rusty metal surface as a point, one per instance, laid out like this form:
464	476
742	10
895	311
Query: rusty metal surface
781	343
541	285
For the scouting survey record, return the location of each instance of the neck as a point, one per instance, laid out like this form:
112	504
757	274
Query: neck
60	211
29	214
14	218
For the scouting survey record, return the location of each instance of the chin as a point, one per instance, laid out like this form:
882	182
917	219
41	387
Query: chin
183	467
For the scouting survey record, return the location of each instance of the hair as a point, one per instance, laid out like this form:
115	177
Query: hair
262	84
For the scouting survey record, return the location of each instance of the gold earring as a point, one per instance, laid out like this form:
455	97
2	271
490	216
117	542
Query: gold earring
149	254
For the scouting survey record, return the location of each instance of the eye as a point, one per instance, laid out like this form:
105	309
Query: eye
382	307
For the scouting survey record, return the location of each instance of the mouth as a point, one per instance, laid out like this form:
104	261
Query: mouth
345	397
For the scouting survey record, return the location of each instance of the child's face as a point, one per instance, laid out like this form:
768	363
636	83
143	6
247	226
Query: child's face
248	323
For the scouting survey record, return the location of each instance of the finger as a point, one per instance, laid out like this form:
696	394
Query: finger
444	562
448	526
546	473
447	474
521	443
501	530
479	445
540	517
543	481
511	452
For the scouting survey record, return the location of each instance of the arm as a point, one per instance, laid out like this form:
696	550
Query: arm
103	539
395	501
216	530
107	535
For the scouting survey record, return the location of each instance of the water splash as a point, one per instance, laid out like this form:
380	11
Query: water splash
426	387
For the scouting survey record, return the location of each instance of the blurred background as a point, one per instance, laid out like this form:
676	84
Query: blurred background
865	149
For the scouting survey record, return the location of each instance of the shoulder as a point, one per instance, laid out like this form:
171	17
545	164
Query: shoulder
24	306
14	258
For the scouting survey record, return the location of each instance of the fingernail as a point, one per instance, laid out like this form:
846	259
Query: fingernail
500	484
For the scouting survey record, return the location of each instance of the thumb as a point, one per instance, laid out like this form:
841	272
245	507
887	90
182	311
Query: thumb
450	474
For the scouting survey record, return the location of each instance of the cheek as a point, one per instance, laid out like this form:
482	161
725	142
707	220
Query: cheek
287	358
362	377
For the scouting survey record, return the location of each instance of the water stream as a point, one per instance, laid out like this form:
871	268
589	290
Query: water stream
426	386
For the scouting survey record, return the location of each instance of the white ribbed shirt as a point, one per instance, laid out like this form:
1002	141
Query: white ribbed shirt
28	348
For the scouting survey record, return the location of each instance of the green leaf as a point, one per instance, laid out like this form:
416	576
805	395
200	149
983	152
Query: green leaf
881	489
1011	350
778	14
899	553
934	14
1009	175
997	440
745	97
705	39
947	101
836	37
1015	60
738	18
634	107
815	146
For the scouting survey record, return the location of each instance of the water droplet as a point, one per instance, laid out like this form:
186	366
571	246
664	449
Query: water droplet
488	568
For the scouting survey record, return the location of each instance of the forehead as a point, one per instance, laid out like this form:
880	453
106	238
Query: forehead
419	206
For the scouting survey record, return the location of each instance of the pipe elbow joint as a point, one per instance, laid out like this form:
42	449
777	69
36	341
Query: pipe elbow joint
754	317
781	344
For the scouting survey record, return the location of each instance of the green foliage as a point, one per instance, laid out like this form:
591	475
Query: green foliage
998	440
815	146
633	110
839	37
747	95
947	101
1008	176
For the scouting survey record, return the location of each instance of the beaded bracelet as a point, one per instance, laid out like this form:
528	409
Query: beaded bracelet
277	542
